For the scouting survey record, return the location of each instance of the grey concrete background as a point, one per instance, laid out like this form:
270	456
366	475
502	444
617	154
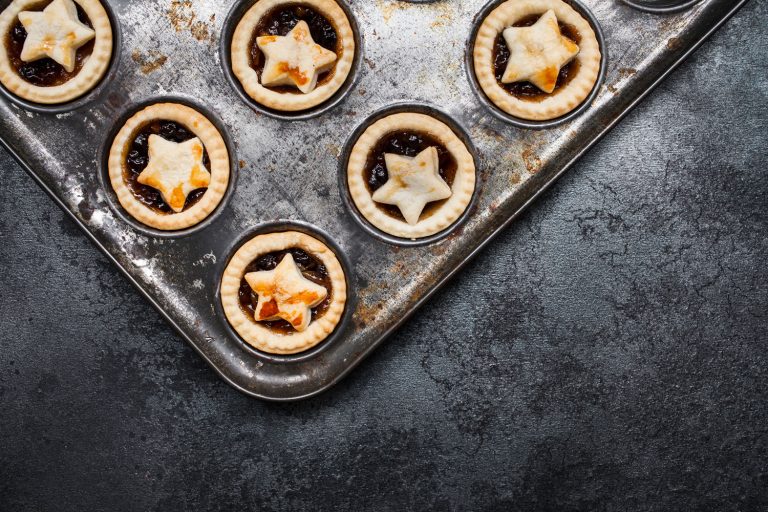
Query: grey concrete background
607	352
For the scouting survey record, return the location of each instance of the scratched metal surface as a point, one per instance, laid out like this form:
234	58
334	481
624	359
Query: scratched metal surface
288	170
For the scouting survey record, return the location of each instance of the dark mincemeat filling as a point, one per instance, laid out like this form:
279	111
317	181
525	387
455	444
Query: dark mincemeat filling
281	20
406	143
138	159
310	267
45	72
526	90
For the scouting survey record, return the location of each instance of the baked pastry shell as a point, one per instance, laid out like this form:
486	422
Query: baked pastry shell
235	49
276	237
71	94
214	139
355	193
567	102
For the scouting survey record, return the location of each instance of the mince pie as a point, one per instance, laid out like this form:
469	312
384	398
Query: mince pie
55	51
284	292
410	175
536	59
291	56
169	166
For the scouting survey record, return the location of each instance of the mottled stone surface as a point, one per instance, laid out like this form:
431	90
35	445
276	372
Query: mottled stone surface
607	352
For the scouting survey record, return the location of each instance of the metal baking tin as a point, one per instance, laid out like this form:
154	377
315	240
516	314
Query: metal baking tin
288	172
661	6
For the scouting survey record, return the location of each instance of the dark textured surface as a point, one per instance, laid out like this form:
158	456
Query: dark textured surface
607	352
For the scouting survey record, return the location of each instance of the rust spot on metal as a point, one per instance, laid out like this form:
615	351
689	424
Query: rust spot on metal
149	62
183	17
241	164
200	31
366	315
487	133
388	8
627	72
532	162
181	14
442	13
673	43
670	24
438	250
624	73
333	149
444	18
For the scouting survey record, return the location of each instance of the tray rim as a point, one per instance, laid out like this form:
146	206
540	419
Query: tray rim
437	286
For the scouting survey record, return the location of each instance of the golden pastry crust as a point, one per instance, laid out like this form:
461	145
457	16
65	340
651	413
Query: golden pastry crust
262	337
289	102
563	100
461	190
213	144
86	79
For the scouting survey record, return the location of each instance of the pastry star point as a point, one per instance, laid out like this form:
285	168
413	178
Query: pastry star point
294	59
537	53
175	169
413	183
284	293
54	32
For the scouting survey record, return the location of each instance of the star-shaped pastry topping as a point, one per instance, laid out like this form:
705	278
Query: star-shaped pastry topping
175	169
54	32
285	293
537	53
412	183
294	59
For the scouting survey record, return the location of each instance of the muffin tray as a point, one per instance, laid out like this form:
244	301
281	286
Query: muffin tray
289	173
